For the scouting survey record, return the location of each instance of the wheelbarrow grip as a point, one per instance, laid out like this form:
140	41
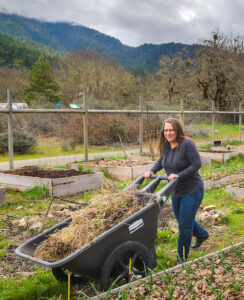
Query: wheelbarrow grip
165	192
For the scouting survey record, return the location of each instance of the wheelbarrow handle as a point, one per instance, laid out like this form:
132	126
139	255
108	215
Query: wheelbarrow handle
165	192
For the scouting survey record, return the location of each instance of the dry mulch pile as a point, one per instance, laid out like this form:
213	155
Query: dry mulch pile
44	172
102	214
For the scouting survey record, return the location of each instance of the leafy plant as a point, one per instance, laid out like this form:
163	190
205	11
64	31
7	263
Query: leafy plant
37	192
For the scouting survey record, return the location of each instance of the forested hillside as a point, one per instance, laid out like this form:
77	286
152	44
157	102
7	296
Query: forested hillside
64	37
13	52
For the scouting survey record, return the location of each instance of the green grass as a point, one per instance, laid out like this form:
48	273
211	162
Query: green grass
40	286
224	131
37	192
48	150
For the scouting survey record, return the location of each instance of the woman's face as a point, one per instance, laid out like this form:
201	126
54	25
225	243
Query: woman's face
169	133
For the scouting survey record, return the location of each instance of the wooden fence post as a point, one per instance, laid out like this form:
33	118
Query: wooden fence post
85	127
10	131
240	119
213	120
182	116
141	124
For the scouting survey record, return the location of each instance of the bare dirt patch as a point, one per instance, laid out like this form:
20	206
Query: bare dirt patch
44	172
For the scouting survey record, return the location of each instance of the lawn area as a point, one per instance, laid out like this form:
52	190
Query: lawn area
223	131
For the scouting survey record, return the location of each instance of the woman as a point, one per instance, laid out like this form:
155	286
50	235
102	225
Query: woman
180	159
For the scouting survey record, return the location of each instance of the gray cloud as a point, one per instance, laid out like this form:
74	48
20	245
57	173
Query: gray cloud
135	22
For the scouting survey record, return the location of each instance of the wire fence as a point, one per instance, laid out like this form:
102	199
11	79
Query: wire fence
76	131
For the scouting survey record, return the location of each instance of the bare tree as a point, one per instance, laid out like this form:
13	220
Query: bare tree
219	69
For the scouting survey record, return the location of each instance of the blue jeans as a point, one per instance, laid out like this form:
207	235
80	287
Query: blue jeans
185	209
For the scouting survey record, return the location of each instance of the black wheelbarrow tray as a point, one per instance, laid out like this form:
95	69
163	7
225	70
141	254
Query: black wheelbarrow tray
128	247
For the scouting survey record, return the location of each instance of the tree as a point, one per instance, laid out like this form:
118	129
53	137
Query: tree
219	70
42	85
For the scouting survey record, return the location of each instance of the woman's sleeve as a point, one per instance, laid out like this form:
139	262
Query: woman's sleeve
157	166
193	156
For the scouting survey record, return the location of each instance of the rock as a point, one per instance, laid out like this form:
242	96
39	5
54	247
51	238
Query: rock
50	215
33	220
37	225
23	222
209	207
19	207
211	218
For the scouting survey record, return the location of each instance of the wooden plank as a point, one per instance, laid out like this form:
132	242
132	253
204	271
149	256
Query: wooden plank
76	184
22	183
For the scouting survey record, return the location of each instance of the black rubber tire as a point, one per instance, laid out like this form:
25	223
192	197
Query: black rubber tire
62	276
116	266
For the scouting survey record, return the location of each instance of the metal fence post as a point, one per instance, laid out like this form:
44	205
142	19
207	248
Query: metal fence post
85	125
10	131
182	112
240	119
213	120
141	124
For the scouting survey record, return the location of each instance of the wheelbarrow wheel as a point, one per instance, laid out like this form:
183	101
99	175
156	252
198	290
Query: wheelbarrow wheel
116	268
62	276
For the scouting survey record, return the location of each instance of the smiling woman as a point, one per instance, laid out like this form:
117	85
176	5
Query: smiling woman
180	159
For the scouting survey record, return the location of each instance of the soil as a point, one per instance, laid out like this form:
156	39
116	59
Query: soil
116	163
44	172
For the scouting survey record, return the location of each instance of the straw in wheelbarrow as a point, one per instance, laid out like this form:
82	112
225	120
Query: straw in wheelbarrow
102	214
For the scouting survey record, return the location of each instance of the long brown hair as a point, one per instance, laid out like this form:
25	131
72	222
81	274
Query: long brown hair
180	135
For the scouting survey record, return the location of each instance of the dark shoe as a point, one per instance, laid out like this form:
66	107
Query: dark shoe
199	242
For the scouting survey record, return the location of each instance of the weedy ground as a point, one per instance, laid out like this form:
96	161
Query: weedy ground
23	280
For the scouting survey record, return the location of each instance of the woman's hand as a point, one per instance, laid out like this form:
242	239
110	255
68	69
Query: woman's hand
148	174
172	176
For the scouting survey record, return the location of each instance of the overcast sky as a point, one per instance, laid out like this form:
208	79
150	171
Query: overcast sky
136	22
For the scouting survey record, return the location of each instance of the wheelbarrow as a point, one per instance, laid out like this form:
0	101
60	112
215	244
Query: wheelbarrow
128	247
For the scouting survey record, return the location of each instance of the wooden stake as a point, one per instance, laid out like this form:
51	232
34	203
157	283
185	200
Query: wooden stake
69	286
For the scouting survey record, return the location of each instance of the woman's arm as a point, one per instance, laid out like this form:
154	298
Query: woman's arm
157	167
193	156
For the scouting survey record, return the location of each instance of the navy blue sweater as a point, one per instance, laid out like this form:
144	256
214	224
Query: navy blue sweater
184	161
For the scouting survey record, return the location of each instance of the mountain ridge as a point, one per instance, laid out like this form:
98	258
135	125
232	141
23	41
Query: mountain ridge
64	37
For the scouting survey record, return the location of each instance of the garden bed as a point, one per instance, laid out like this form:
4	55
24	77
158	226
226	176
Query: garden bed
220	154
119	169
59	182
216	276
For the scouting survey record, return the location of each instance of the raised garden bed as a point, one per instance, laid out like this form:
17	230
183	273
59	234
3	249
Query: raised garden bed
59	182
119	169
236	190
220	154
228	179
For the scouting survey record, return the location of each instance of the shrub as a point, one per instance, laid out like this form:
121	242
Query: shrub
194	132
102	130
21	142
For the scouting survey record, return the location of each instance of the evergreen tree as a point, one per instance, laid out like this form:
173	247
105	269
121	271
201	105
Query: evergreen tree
42	85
